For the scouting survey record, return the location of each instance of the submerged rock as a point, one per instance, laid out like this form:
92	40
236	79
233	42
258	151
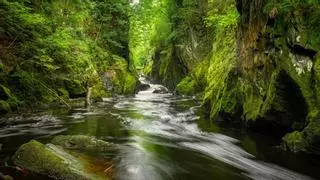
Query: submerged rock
47	160
82	143
160	90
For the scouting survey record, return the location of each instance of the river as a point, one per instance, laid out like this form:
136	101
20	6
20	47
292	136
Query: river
163	136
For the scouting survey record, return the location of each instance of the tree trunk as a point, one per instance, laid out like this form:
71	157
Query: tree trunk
88	95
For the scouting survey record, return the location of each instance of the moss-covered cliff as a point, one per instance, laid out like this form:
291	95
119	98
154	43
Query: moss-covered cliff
263	66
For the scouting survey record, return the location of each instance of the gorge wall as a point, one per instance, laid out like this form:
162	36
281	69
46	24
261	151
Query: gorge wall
253	59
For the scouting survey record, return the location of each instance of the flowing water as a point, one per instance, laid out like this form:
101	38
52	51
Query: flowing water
162	136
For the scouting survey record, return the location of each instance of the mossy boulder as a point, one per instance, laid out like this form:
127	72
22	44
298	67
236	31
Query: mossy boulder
294	142
50	160
81	143
308	140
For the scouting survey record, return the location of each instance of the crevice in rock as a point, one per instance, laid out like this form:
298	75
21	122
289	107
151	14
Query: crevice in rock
298	49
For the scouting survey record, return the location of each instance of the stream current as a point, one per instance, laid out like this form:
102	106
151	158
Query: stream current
162	136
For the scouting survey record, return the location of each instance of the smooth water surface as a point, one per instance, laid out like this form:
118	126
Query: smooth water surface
162	136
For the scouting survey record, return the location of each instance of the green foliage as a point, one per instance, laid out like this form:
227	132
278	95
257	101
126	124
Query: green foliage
120	79
4	107
149	27
294	142
44	44
187	86
308	140
303	15
219	91
223	15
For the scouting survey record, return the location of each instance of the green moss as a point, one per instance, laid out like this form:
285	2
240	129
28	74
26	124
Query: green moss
316	69
122	80
147	70
63	93
4	107
130	82
5	93
98	92
219	92
74	87
37	157
294	142
307	140
1	67
8	100
167	69
311	135
187	86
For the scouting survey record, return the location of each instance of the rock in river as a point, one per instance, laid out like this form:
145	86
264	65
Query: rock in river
142	87
160	90
81	143
53	161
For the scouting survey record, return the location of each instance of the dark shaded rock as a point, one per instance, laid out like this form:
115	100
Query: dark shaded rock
74	88
160	90
142	87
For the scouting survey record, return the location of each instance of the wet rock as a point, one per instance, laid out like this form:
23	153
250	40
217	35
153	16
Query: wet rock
160	90
308	140
142	87
81	143
50	160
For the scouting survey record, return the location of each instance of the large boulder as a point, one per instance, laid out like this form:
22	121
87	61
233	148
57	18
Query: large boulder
307	140
53	161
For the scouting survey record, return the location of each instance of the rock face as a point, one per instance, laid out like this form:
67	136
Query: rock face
57	161
264	66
